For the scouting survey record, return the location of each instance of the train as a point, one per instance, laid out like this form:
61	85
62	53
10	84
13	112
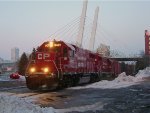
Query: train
58	64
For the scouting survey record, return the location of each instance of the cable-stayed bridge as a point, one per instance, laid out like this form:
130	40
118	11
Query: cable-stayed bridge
72	31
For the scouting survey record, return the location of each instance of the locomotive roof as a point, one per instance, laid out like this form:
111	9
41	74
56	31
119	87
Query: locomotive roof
70	46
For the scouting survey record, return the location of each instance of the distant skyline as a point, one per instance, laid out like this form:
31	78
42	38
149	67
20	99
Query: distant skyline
14	54
27	24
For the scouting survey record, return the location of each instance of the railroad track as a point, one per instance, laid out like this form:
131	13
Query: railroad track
24	92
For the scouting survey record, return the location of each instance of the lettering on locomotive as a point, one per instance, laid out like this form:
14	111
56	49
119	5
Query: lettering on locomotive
43	56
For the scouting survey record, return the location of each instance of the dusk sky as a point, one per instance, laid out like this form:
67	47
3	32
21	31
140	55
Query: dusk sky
26	24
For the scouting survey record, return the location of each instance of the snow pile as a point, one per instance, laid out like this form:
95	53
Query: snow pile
124	78
7	78
121	81
22	78
14	104
143	74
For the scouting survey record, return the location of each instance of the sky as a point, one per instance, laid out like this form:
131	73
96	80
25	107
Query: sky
27	23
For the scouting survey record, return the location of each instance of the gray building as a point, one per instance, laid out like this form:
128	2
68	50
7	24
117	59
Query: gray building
1	60
14	54
8	67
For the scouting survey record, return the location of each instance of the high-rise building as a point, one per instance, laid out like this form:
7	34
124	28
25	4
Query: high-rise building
104	50
1	60
14	54
147	42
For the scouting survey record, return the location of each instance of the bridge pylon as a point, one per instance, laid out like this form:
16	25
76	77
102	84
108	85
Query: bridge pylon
82	23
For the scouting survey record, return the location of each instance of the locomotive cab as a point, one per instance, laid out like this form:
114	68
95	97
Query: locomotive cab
43	67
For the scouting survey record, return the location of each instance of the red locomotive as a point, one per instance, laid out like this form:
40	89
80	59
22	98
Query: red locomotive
59	64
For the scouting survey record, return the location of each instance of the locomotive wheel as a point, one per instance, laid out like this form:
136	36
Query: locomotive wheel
95	77
99	76
70	82
76	81
92	78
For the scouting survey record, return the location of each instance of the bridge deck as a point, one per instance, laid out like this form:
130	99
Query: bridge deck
127	59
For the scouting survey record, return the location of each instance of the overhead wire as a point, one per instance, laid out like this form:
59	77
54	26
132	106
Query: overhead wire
115	43
64	27
60	30
101	33
69	33
69	30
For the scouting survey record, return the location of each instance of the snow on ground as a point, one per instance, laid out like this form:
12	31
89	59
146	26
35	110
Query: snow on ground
143	74
7	78
95	106
22	78
13	104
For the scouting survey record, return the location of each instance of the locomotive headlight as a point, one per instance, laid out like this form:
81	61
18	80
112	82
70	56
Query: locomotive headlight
32	70
46	70
51	44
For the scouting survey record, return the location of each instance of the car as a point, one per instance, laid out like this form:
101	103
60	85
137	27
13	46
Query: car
14	75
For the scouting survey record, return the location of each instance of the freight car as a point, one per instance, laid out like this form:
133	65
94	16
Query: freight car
59	64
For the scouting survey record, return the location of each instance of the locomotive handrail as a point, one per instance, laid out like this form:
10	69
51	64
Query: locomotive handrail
56	67
60	67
